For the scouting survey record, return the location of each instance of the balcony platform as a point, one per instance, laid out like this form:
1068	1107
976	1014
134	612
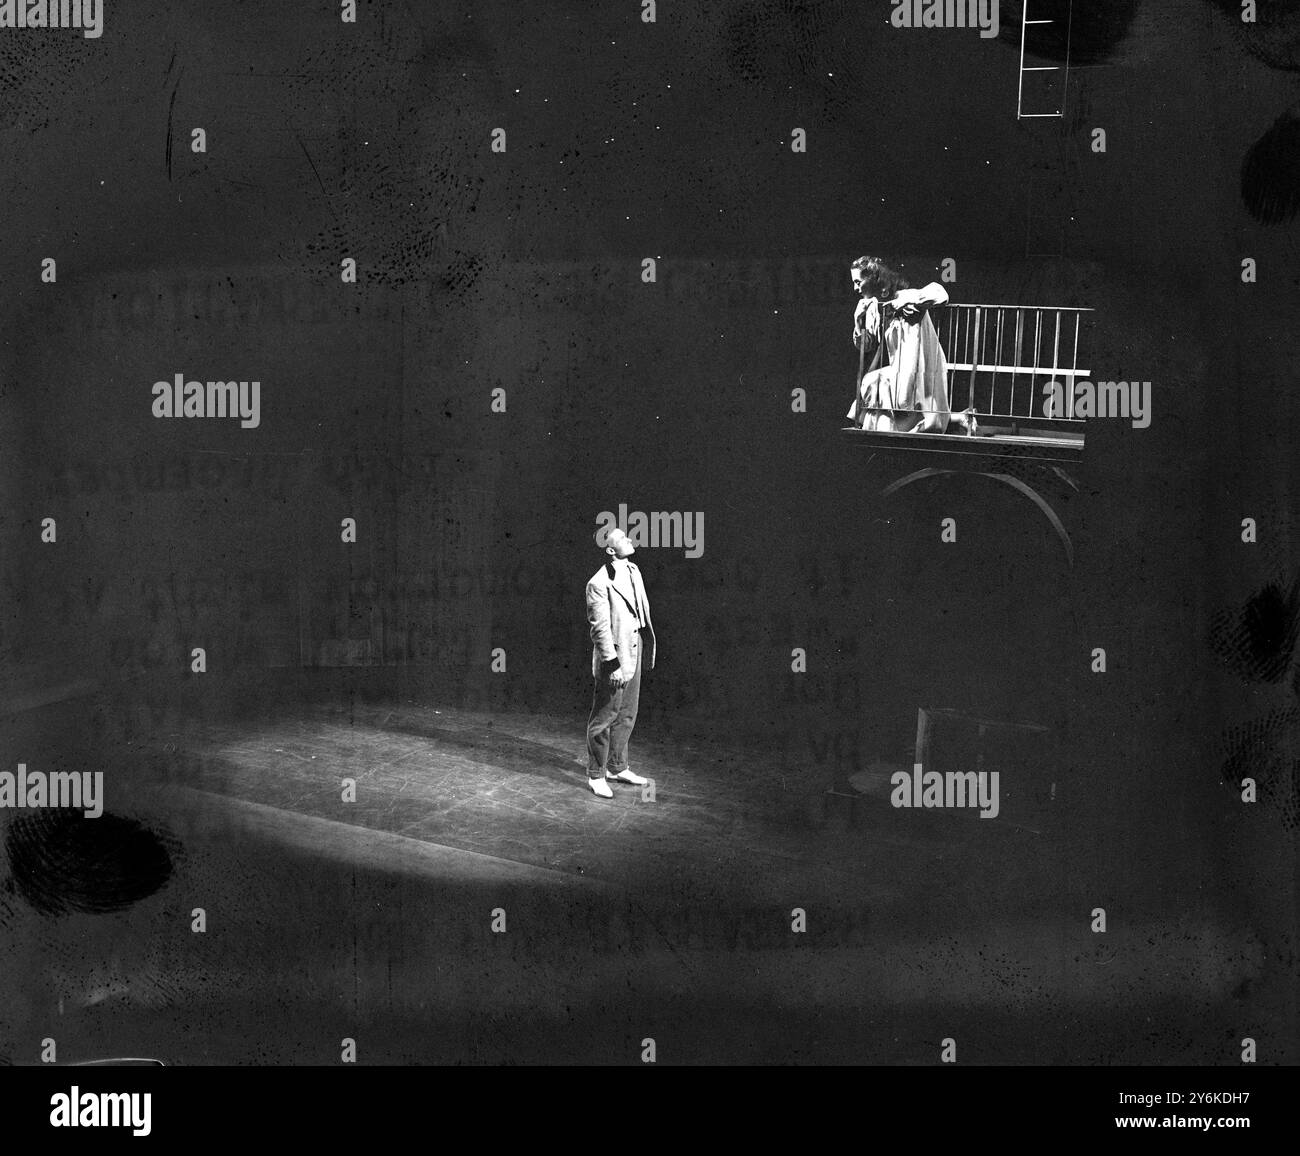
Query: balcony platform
1036	464
980	450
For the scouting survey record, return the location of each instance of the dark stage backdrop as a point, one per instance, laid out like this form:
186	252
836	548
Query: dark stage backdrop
523	270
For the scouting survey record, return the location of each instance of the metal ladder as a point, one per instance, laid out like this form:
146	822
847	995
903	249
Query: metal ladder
1064	69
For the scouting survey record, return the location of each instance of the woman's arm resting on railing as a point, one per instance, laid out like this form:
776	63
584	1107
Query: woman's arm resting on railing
912	302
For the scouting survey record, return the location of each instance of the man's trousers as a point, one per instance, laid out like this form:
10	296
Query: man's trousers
613	715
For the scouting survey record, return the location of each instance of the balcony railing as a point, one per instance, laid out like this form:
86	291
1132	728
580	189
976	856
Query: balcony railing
1001	356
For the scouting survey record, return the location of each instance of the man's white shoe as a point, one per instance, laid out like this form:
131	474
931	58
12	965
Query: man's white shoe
627	777
601	788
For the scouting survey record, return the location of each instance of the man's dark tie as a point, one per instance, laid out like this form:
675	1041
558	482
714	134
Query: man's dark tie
641	611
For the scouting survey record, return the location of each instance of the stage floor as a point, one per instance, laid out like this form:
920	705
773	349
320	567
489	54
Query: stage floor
626	918
513	787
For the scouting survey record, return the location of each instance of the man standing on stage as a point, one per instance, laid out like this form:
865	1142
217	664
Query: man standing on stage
619	614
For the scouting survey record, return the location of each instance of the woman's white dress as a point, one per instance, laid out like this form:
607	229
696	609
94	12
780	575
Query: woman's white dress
910	393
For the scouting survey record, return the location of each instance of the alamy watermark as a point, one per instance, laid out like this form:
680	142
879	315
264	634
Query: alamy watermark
88	15
946	789
1130	399
77	1109
79	790
181	398
981	14
672	529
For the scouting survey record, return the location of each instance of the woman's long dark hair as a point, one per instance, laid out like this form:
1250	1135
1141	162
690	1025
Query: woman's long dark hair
879	280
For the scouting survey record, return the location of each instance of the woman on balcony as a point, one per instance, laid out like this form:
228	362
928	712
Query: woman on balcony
905	389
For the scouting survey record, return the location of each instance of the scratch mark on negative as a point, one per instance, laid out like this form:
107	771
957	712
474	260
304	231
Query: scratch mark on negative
171	108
